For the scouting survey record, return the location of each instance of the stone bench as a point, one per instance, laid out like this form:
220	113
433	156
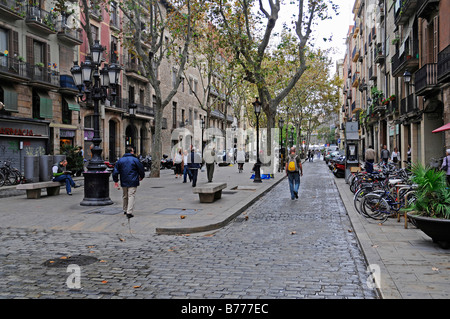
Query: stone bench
34	189
209	192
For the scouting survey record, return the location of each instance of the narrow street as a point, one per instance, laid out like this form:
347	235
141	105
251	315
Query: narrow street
278	248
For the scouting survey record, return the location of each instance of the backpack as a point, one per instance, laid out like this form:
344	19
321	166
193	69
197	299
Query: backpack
292	164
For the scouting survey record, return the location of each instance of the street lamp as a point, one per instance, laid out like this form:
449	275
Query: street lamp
407	77
202	124
257	167
280	127
93	85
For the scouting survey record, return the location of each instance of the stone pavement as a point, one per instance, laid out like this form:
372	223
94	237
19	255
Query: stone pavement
411	265
134	263
277	249
164	205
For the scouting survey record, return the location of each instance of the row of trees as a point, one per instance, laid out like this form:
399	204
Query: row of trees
234	39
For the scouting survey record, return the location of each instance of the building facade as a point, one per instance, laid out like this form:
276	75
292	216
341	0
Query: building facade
397	80
40	110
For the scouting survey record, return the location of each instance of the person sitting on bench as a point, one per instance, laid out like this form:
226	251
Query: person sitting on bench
60	174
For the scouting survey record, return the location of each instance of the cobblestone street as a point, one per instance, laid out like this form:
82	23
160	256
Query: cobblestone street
278	248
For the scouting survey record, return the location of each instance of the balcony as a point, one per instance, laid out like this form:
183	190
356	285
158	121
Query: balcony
141	109
372	73
67	85
379	56
355	79
43	77
41	20
425	80
426	8
408	105
355	54
404	62
135	71
71	36
12	69
12	9
404	10
443	65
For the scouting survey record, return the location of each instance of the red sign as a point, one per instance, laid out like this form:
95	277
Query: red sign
12	131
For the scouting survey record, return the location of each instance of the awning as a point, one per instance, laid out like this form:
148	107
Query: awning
442	128
72	104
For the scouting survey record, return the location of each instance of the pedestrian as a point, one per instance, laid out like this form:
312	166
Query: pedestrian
131	172
194	164
294	170
385	154
186	171
446	165
395	156
178	161
370	159
210	160
60	174
240	158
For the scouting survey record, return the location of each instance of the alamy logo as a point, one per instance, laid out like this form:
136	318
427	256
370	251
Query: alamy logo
74	279
374	279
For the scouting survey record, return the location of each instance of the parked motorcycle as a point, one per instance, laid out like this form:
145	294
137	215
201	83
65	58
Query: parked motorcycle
339	167
166	162
146	162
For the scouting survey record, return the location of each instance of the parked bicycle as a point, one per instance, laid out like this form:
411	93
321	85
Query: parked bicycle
383	193
10	175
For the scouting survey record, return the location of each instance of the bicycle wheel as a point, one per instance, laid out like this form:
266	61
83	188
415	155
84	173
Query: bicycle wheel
2	179
375	206
10	177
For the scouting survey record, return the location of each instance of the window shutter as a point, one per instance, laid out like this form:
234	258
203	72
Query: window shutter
13	44
435	38
30	53
10	98
46	64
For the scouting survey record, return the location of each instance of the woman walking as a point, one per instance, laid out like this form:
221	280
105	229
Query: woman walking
178	160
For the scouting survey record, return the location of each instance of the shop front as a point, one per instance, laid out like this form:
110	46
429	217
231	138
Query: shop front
20	137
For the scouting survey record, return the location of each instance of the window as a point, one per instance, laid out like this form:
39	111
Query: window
174	114
141	97
94	31
66	113
174	77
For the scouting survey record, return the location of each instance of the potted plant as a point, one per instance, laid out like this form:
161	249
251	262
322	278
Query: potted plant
430	212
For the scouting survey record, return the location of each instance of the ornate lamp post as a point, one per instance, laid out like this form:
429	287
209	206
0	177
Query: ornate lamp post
280	127
93	85
257	167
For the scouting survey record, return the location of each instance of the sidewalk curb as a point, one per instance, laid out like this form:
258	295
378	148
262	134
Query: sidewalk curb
223	223
371	257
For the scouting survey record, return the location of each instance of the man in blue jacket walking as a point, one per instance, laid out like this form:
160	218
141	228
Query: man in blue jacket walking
131	171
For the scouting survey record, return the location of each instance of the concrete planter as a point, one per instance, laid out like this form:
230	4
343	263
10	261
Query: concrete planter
437	228
45	168
31	168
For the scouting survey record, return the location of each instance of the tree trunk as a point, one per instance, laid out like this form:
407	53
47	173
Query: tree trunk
157	141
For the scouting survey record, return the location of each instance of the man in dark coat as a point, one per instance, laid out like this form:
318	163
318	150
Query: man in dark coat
194	164
131	171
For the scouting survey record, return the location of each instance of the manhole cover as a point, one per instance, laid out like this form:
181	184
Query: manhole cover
105	211
178	211
65	261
